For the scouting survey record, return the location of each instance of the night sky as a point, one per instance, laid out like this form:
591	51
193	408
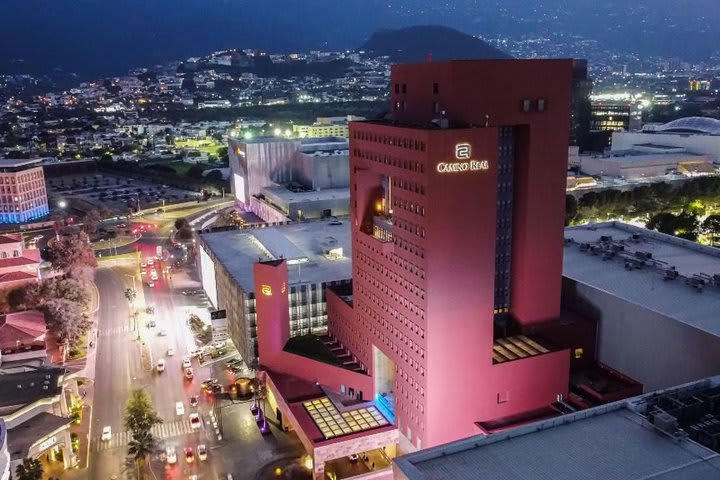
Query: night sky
102	37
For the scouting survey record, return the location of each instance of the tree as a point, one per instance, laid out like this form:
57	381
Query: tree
214	176
180	223
29	469
141	446
72	255
65	319
33	296
92	221
663	222
195	171
710	227
140	416
130	294
571	209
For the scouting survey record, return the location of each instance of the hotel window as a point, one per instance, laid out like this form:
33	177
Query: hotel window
526	105
541	105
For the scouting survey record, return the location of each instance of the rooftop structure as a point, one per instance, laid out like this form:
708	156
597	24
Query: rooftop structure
697	125
646	164
301	165
21	332
316	251
627	440
655	298
318	254
18	265
698	135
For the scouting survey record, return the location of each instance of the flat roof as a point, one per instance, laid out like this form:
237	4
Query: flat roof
282	193
632	157
303	244
607	442
10	162
646	286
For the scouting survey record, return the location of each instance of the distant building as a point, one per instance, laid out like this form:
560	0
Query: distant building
18	265
615	117
326	127
280	179
634	164
318	254
23	196
669	435
580	110
698	135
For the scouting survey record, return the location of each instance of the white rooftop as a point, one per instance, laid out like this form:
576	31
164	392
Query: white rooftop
646	286
303	245
610	442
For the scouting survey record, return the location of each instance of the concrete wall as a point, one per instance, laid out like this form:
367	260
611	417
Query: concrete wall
339	207
655	350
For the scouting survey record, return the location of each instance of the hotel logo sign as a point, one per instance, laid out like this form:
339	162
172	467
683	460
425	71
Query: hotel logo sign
463	152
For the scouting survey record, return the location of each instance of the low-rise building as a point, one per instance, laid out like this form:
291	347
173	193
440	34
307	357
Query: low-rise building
655	299
326	127
18	265
666	435
318	254
22	336
635	164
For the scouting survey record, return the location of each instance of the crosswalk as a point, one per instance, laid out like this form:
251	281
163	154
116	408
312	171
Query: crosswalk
162	431
109	332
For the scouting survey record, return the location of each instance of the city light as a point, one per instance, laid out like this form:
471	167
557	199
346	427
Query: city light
248	136
62	203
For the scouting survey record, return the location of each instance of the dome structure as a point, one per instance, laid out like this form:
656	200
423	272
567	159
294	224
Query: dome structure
706	125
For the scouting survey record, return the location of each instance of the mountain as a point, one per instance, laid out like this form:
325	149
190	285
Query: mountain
414	44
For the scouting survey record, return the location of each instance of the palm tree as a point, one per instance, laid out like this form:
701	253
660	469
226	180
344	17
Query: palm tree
29	469
140	446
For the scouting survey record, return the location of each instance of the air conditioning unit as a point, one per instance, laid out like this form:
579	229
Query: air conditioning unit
665	422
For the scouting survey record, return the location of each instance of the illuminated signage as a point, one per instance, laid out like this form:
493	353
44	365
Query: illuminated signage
266	290
283	289
463	151
47	443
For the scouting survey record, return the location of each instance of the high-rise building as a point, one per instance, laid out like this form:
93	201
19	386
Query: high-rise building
23	196
457	226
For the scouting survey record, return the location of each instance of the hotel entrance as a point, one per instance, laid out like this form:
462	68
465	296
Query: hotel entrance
384	369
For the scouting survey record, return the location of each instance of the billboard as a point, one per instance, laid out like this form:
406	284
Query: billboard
207	275
220	331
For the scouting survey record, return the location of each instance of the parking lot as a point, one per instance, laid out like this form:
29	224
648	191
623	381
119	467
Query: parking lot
116	193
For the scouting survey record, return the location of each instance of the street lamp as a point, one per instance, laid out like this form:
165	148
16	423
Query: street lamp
62	204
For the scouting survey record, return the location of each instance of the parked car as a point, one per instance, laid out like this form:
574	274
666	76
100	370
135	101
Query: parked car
179	408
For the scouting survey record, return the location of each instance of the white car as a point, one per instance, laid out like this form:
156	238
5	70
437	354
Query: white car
179	408
195	421
202	452
151	284
143	265
162	332
150	261
186	363
106	433
170	455
161	365
170	352
153	275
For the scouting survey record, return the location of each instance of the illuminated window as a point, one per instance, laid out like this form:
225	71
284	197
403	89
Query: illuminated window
541	105
526	105
579	353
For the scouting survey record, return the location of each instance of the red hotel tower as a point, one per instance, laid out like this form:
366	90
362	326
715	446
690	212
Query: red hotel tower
457	211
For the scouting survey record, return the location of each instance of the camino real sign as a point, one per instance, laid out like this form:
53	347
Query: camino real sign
463	153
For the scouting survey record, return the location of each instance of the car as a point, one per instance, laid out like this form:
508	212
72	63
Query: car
170	351
195	421
143	265
186	363
353	458
153	275
179	408
236	369
188	374
150	261
151	284
170	455
106	433
194	401
234	361
143	272
161	365
202	452
206	384
189	455
151	324
198	352
162	332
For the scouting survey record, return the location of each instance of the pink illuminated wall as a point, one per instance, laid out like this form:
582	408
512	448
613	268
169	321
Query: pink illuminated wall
273	327
426	298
